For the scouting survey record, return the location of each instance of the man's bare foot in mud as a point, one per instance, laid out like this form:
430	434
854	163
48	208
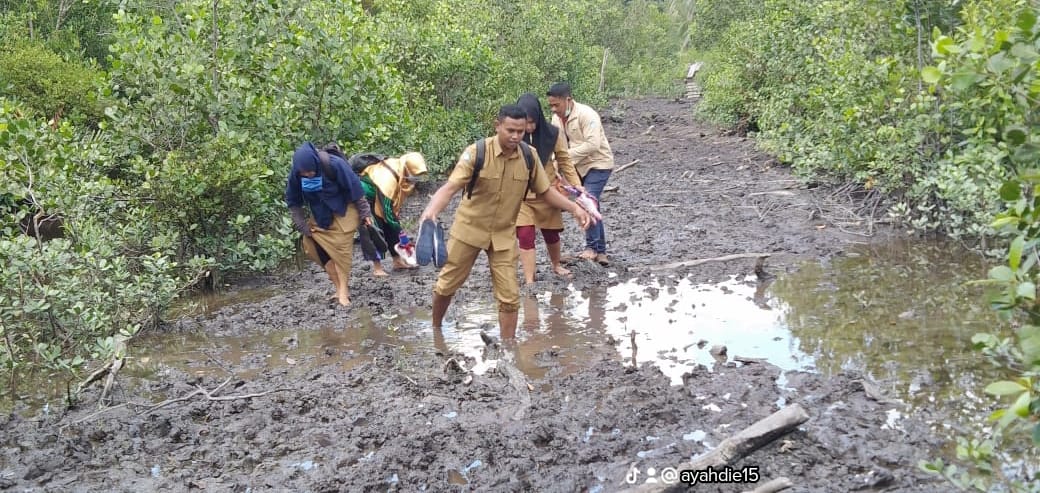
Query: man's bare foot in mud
401	264
563	272
588	254
344	299
601	259
377	270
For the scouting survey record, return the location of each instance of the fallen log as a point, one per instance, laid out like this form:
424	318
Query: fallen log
753	437
691	263
743	443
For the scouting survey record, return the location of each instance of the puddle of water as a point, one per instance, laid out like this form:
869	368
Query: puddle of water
296	350
209	303
900	314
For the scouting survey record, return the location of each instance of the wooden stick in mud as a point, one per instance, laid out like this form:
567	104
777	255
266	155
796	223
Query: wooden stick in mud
743	443
778	484
108	371
691	263
629	165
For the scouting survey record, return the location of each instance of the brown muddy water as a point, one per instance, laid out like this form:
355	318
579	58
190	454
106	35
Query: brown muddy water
901	314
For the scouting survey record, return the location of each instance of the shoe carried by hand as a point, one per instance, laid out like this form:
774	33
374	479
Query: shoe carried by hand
431	246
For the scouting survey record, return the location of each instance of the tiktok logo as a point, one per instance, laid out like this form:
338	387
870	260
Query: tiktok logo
633	475
668	475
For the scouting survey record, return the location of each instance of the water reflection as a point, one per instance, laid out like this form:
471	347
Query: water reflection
901	313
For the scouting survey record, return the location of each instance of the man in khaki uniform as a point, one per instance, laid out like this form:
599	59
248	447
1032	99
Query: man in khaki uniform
591	154
486	220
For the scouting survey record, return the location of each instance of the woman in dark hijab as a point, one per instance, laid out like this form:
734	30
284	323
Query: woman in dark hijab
551	147
333	193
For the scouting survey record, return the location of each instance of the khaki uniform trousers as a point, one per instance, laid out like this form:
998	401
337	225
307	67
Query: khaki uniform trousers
337	241
462	255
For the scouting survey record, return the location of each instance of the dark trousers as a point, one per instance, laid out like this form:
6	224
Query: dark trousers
596	236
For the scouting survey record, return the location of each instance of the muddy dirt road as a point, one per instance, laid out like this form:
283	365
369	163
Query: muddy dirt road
401	419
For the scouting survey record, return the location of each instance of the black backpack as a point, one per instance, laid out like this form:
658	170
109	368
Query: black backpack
479	164
360	161
323	157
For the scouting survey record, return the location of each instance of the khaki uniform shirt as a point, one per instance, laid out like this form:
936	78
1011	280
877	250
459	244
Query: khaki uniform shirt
536	211
586	141
488	219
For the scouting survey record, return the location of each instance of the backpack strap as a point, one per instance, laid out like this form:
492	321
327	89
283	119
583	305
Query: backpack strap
479	164
397	178
529	159
323	157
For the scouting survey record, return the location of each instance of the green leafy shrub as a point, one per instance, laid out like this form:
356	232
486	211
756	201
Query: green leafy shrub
47	85
61	300
211	109
989	83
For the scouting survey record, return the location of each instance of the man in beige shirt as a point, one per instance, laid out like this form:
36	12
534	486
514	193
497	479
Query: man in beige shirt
589	152
486	218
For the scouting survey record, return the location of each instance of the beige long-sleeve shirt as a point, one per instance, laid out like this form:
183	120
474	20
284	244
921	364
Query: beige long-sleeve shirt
586	141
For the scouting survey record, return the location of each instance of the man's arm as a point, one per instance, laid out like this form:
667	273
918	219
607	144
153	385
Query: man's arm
560	202
458	179
591	131
440	200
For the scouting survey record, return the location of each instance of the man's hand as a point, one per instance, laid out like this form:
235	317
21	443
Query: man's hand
583	217
427	214
368	221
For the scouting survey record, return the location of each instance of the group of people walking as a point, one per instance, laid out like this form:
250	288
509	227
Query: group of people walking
512	184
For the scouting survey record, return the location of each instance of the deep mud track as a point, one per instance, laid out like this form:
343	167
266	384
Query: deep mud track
403	420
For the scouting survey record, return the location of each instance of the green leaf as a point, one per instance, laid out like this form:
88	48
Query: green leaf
1021	405
961	81
1011	191
1001	273
984	339
1024	52
999	63
1027	153
931	75
1015	135
1015	252
977	43
1026	290
1003	222
946	46
1029	341
1005	387
1036	435
1026	20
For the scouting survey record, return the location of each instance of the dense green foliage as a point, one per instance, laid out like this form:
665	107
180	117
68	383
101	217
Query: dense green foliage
834	88
157	135
988	72
933	102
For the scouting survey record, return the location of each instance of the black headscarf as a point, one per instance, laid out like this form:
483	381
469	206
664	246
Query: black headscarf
545	134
